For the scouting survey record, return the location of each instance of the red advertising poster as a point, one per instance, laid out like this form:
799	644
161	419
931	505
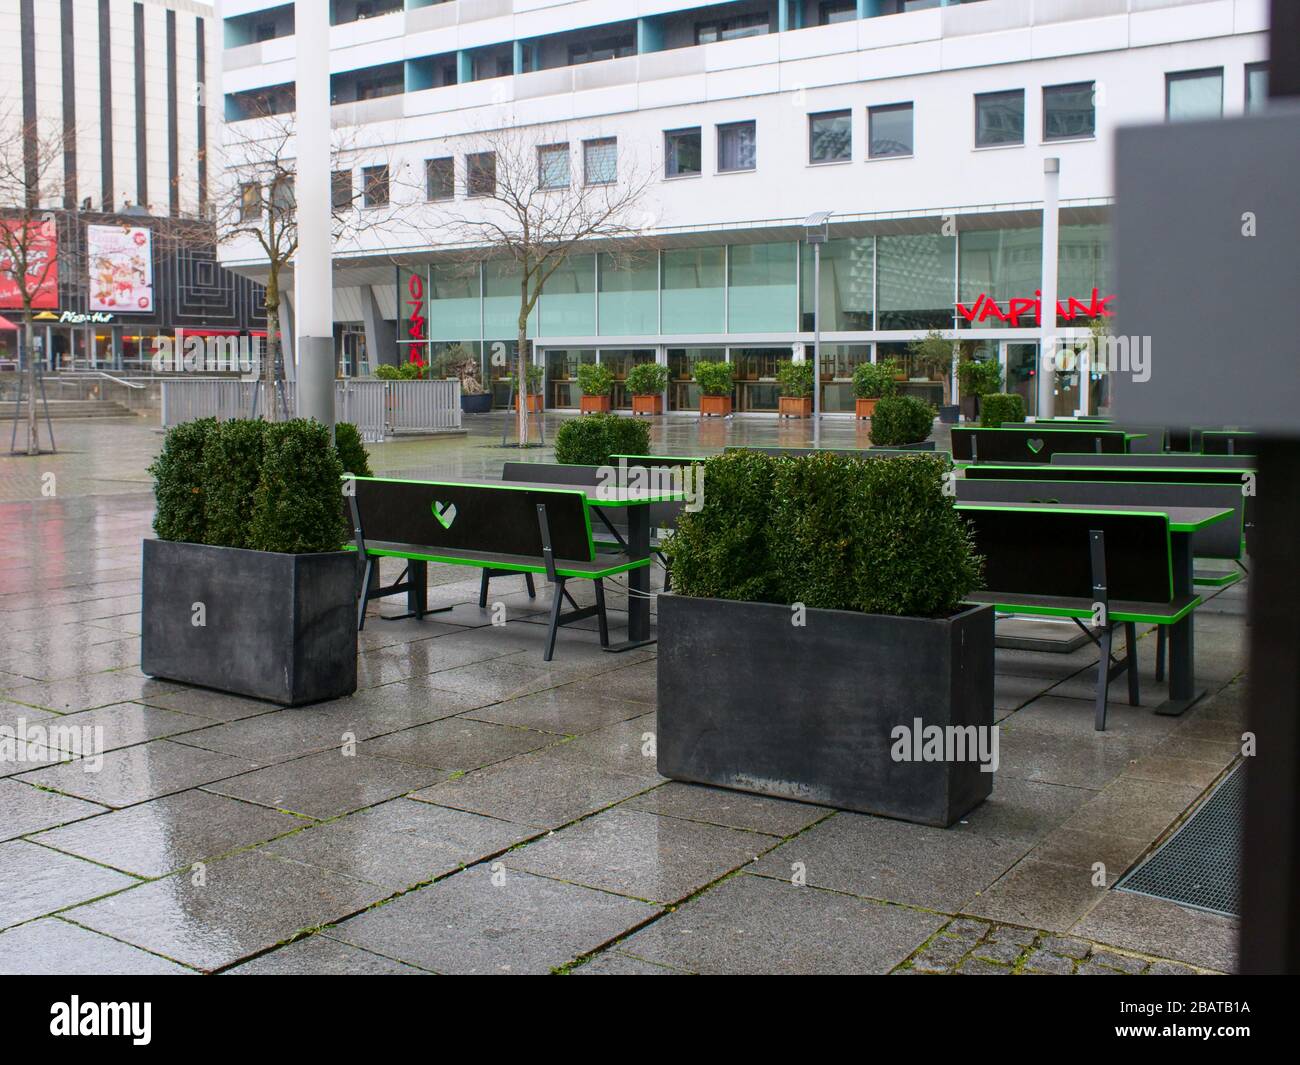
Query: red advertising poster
41	243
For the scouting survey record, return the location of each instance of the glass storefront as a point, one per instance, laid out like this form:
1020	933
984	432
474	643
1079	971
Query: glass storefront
694	296
568	307
1021	374
684	393
914	379
755	377
620	361
628	300
838	363
562	375
916	281
761	288
1000	264
847	285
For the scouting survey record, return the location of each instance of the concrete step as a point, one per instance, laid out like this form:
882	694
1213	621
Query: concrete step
73	408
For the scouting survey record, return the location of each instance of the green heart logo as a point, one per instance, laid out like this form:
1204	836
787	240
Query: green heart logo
1035	444
445	513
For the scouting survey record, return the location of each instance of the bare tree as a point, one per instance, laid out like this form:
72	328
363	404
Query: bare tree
525	201
255	201
31	185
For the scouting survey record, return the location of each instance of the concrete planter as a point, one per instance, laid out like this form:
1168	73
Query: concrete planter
652	404
276	627
479	404
921	445
715	406
795	407
749	701
594	405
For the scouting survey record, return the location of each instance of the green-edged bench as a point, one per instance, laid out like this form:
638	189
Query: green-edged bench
500	529
1194	460
1229	442
1112	566
850	452
1032	443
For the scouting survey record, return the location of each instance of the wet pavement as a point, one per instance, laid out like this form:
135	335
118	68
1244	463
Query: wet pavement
475	809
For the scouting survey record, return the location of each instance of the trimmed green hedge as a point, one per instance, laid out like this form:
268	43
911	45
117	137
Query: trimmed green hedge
874	380
179	481
829	531
901	420
352	452
595	379
999	407
232	470
714	378
795	378
297	507
647	379
591	439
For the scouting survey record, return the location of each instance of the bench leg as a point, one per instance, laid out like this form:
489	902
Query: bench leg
483	588
532	589
1103	678
1131	662
365	594
600	613
557	602
1160	652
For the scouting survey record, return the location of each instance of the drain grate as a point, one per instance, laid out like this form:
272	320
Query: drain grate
1200	864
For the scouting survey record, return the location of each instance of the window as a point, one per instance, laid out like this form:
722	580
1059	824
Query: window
1069	111
374	185
999	118
737	146
282	196
728	29
600	161
388	82
481	174
341	189
889	131
439	178
553	166
830	11
264	31
602	48
1194	94
830	137
1256	86
250	201
682	154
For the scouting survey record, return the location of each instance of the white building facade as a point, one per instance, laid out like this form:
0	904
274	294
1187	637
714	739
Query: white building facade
924	127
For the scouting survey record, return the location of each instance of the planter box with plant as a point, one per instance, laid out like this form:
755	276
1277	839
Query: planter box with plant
1001	408
795	380
592	440
846	579
977	379
647	381
534	387
902	422
458	362
596	381
246	590
715	383
934	353
871	382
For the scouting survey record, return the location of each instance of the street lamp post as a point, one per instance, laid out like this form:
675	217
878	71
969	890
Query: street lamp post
816	229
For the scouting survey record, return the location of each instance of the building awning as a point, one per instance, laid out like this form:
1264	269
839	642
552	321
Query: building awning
6	324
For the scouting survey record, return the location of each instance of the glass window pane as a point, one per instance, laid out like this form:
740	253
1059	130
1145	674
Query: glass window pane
999	118
439	179
629	294
915	285
481	173
454	301
600	161
553	166
693	297
681	152
737	146
1256	86
846	289
1084	264
1068	111
890	130
1194	94
501	302
830	137
1002	264
683	392
375	186
562	374
761	288
568	303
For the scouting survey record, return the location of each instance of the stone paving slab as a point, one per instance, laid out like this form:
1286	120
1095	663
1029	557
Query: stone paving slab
88	692
319	956
155	838
35	881
457	744
52	947
245	905
27	809
626	747
486	921
1022	810
731	809
1087	761
1039	894
1156	926
127	724
563	711
614	963
755	925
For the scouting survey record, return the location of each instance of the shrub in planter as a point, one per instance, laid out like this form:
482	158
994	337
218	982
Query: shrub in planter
979	378
296	505
351	451
178	481
795	380
596	381
997	408
647	381
590	441
534	374
871	382
232	468
716	381
901	420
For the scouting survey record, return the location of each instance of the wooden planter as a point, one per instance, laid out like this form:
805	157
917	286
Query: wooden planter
795	406
534	402
594	405
715	406
865	408
652	404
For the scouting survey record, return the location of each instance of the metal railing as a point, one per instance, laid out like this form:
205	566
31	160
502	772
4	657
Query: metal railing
379	409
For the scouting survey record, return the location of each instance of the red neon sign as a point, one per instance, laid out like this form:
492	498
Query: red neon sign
984	308
416	322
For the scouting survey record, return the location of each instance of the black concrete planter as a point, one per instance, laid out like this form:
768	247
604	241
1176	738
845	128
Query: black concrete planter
479	404
749	701
277	627
923	445
948	413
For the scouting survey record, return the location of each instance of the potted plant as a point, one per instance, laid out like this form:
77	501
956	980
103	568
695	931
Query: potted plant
796	383
999	408
871	381
592	440
246	588
835	569
647	381
935	353
458	362
596	381
902	422
715	381
977	378
534	388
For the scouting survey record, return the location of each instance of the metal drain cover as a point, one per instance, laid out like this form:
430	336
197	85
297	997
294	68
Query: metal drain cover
1200	864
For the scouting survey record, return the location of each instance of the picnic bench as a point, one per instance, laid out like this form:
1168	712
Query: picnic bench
851	452
1112	565
1153	460
498	528
1033	444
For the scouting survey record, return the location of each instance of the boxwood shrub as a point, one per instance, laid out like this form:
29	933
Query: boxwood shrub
829	531
901	420
591	439
595	379
232	468
296	507
999	407
178	482
352	452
